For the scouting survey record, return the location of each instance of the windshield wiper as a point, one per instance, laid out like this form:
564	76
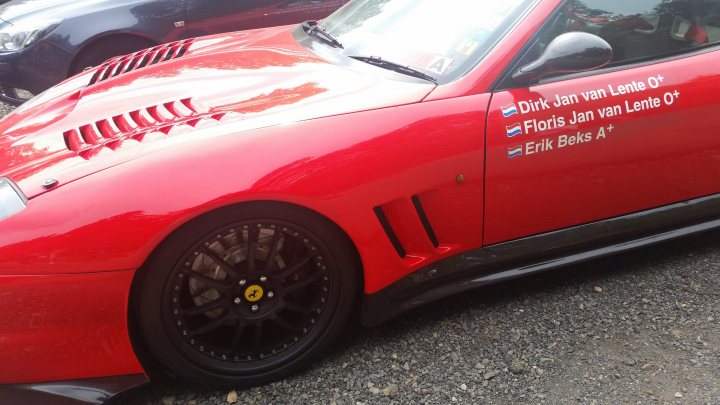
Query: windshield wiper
314	30
395	67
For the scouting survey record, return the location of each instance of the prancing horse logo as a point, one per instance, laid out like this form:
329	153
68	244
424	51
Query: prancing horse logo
253	293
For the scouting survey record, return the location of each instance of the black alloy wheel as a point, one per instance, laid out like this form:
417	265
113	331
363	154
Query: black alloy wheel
247	300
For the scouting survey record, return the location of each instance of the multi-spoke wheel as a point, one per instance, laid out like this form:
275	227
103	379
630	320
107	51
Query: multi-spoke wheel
247	294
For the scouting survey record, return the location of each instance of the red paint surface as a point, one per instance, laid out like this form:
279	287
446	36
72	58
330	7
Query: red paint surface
57	327
651	158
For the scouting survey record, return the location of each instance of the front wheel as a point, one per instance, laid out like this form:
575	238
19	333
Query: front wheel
246	295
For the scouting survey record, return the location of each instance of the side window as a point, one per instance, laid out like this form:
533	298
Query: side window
638	29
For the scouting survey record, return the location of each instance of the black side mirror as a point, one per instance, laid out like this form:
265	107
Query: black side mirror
568	53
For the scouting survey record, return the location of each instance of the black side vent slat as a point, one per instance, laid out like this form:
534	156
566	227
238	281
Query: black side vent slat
157	57
170	53
143	61
96	76
106	73
182	50
425	221
389	231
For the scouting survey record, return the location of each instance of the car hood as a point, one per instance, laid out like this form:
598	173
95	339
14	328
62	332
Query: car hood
38	9
197	90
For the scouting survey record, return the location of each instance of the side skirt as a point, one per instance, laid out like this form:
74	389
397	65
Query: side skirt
517	258
70	392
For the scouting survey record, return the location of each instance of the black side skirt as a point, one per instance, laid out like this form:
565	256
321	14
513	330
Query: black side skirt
70	392
516	258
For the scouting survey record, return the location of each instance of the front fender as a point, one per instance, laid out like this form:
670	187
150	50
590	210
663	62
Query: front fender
341	167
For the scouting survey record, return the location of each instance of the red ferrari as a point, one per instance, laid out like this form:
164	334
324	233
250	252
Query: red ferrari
223	205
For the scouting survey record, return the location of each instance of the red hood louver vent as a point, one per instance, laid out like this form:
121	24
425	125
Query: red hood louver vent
139	60
136	126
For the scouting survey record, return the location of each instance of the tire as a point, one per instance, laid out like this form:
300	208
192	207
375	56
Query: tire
213	312
98	52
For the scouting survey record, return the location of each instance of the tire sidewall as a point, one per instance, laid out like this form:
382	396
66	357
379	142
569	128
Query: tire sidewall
154	275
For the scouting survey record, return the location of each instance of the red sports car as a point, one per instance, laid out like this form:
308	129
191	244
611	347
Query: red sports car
225	204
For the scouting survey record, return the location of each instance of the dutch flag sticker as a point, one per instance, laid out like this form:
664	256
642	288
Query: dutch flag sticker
515	151
509	110
513	130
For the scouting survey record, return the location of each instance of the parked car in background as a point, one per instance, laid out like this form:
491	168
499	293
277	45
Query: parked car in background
42	42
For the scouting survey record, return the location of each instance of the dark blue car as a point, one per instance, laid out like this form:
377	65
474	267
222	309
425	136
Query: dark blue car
42	42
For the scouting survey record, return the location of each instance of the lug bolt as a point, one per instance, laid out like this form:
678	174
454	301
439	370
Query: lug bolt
242	282
263	279
254	308
270	294
237	300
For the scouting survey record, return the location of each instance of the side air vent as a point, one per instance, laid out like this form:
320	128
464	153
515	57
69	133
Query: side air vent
389	231
425	221
408	227
138	60
88	139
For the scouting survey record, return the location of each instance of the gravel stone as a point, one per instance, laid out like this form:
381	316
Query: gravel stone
390	391
517	366
629	362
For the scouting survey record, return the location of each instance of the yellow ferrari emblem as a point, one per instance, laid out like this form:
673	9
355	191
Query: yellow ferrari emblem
254	293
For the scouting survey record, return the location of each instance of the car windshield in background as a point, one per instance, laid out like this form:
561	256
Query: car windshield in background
440	39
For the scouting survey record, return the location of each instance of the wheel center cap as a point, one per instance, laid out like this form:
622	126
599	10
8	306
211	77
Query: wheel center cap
254	293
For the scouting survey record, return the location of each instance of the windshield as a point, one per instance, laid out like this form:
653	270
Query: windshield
442	39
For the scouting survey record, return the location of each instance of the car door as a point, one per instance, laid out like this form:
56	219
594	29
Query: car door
215	16
641	133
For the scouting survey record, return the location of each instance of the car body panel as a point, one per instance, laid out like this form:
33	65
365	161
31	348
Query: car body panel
27	70
212	16
71	392
153	20
630	161
19	9
77	321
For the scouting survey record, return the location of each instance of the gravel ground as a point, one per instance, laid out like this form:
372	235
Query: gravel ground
5	109
643	327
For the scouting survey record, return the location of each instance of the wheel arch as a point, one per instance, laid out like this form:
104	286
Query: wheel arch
143	354
104	37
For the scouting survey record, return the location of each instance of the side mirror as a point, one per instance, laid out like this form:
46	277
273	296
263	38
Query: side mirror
568	53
